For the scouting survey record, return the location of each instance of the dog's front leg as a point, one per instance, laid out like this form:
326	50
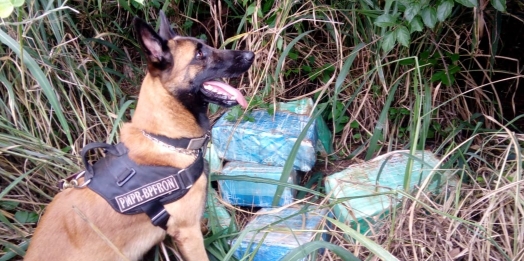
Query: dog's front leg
191	243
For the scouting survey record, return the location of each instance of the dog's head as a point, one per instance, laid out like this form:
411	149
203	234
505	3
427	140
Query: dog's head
188	68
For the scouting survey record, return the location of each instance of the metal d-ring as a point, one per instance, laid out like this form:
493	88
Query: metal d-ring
74	182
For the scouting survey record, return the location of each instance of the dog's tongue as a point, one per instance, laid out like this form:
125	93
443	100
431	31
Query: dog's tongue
225	88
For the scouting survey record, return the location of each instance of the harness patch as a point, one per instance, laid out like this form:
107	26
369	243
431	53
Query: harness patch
146	193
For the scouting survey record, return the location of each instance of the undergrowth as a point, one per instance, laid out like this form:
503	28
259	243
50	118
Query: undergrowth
389	75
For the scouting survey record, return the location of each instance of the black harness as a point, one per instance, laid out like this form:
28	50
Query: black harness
131	188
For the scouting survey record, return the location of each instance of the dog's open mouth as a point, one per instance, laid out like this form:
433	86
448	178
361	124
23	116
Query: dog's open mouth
222	94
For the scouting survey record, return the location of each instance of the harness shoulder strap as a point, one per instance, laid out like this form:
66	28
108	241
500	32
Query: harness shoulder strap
131	188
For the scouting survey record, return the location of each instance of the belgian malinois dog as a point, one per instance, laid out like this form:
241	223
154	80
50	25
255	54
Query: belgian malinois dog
182	78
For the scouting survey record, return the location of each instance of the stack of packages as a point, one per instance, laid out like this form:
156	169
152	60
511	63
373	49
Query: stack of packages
259	149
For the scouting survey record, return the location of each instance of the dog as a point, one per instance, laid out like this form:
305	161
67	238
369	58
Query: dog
81	224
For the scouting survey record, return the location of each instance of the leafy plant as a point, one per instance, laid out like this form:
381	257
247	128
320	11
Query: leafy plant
70	73
26	217
337	114
409	16
8	6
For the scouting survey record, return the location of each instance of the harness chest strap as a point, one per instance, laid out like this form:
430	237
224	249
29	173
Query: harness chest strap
131	188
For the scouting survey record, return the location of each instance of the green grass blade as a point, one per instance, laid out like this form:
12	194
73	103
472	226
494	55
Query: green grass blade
363	240
118	120
379	127
288	166
345	68
304	250
286	52
39	75
13	250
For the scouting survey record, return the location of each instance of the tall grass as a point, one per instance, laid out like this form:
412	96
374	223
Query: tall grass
70	73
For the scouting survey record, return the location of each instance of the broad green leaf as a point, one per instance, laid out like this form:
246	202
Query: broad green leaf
429	16
402	35
412	10
437	76
453	69
468	3
8	205
499	5
444	10
17	3
388	42
448	79
386	20
251	9
141	2
454	57
6	8
280	43
26	217
416	25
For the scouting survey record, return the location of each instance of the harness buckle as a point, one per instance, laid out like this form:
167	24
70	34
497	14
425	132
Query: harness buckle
160	219
181	179
197	143
72	181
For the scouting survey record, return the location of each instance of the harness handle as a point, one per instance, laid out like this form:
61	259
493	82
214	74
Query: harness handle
108	148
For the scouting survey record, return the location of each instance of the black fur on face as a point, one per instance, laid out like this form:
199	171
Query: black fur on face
185	63
217	64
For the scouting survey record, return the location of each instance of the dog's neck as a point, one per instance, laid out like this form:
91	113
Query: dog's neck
159	112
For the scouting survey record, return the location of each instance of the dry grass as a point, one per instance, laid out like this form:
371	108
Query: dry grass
474	124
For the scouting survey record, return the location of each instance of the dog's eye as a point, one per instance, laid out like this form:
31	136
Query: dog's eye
199	55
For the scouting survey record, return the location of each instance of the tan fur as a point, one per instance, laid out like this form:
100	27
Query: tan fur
63	234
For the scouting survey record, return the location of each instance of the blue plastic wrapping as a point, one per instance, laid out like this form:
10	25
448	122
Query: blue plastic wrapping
365	185
244	193
268	140
274	241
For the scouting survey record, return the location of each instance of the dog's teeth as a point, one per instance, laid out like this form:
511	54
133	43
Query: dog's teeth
233	97
208	87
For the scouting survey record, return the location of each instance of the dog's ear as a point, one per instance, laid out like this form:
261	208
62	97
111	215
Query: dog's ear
154	46
165	31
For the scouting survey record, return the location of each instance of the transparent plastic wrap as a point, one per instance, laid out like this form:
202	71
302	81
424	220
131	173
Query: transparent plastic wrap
267	140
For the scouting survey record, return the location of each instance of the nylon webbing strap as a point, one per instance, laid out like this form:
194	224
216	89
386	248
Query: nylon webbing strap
131	188
157	213
182	143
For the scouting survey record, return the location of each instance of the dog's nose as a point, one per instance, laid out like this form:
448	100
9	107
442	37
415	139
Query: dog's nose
249	56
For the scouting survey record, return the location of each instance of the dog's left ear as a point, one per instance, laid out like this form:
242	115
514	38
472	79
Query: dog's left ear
154	46
165	31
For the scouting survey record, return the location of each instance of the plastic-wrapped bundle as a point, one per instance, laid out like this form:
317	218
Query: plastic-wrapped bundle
267	140
276	240
245	193
370	181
